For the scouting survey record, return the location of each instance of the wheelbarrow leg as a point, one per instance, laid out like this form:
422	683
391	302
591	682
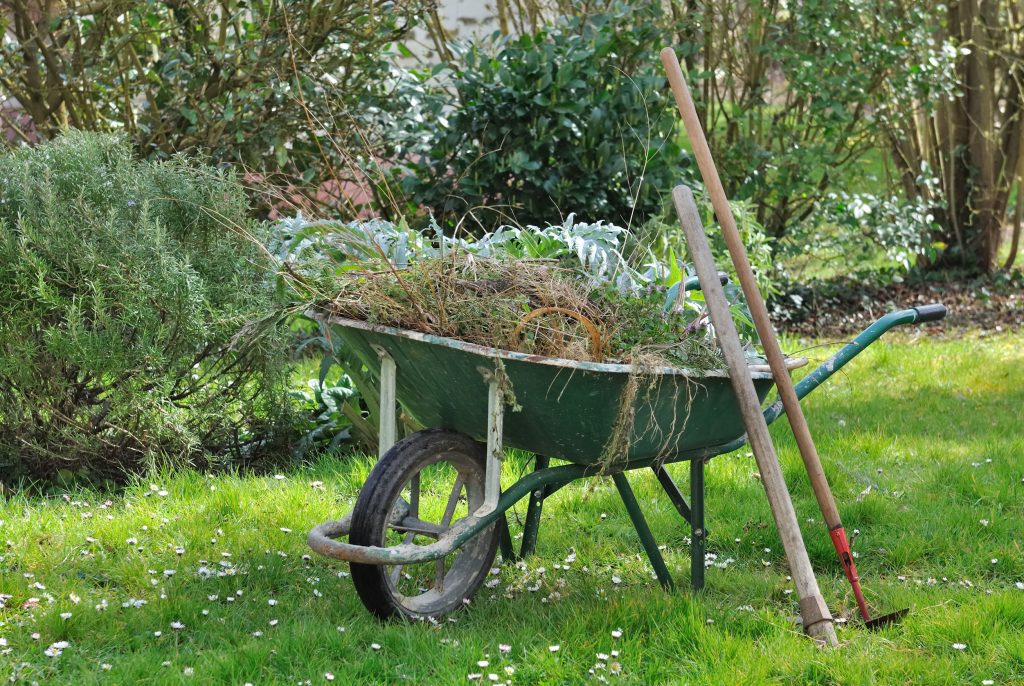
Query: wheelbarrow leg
700	534
531	528
693	514
640	524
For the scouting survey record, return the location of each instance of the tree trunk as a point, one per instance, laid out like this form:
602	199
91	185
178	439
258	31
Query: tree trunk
972	142
978	92
1018	219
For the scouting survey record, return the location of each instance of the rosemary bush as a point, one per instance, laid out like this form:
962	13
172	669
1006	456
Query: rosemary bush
130	297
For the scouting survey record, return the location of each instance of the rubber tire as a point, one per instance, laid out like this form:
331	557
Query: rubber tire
373	507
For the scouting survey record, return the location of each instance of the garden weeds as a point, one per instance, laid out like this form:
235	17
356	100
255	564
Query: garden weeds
527	305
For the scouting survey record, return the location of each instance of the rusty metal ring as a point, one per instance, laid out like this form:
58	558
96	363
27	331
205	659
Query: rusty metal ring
596	345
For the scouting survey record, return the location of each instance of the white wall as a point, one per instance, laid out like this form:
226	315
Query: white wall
463	19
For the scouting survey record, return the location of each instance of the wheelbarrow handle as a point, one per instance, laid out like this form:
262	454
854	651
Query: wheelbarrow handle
930	313
690	284
693	283
914	315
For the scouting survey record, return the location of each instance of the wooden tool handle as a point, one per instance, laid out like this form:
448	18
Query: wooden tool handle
816	616
758	310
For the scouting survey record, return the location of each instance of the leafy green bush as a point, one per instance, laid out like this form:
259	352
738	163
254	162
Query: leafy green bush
794	95
663	237
281	88
572	119
314	252
858	228
130	294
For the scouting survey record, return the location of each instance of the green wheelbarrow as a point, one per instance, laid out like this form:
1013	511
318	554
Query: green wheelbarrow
430	518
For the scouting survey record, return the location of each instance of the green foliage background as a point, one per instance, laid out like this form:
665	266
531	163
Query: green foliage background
279	89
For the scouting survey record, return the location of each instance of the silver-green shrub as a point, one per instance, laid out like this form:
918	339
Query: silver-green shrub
130	296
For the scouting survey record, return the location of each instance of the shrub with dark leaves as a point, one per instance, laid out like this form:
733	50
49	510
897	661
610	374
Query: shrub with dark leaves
572	119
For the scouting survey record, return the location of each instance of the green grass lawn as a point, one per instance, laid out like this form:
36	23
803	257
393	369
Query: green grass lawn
193	579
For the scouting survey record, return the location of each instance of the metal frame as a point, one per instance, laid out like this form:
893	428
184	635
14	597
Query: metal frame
531	527
642	530
495	455
387	432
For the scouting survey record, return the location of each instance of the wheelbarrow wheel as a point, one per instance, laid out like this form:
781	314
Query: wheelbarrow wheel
421	487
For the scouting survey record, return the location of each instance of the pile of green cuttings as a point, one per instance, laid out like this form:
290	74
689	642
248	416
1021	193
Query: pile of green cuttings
534	306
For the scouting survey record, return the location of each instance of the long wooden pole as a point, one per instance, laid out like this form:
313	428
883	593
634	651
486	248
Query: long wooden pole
816	617
759	313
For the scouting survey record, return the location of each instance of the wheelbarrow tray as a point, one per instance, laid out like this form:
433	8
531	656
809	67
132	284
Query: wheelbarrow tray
563	408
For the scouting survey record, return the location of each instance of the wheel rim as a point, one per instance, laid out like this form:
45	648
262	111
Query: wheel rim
444	490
